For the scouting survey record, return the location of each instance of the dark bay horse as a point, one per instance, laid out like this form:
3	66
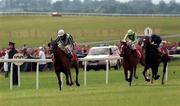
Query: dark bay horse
63	64
130	61
153	58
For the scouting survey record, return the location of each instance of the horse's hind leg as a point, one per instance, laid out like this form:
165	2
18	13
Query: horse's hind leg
164	72
59	79
77	73
130	78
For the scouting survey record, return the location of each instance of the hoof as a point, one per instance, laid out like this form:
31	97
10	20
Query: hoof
71	84
78	85
128	80
130	84
148	80
162	83
156	77
136	77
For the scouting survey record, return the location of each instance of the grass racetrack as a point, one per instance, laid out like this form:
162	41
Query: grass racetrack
37	30
96	93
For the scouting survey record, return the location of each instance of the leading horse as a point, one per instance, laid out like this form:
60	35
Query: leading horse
62	63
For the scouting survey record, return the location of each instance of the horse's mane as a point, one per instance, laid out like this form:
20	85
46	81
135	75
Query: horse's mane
54	42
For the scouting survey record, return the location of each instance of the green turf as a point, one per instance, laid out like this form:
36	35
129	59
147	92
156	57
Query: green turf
37	30
96	93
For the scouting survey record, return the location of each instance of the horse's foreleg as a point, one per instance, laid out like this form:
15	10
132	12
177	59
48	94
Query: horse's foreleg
155	72
131	76
126	74
144	74
164	72
152	78
71	81
77	73
67	78
136	77
59	79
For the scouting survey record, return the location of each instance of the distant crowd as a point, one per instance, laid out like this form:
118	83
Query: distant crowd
38	52
33	53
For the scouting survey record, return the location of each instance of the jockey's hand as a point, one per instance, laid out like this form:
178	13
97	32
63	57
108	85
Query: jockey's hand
129	42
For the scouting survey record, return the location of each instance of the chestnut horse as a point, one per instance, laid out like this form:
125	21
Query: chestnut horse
130	61
62	63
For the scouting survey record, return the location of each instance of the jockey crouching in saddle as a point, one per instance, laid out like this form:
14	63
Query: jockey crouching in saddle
132	40
65	42
156	41
162	46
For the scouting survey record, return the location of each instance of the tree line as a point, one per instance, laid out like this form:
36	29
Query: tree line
91	6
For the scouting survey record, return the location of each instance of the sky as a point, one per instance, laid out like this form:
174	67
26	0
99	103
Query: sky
154	1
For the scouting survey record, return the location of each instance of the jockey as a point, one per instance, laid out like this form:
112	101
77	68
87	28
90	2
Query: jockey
156	40
131	39
65	41
164	47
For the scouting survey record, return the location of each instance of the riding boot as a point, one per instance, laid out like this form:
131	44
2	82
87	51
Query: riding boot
69	53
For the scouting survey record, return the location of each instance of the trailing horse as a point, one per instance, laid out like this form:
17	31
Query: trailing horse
152	60
130	61
62	63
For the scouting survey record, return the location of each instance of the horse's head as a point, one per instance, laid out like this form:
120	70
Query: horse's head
147	40
124	49
53	46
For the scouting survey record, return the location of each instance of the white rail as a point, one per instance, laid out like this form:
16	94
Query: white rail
24	60
94	59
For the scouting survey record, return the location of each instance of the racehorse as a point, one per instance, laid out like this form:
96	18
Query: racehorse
152	60
62	63
130	61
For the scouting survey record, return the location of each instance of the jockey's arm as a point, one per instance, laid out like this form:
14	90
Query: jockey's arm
135	39
59	39
125	38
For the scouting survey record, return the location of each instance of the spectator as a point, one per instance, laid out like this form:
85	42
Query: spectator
42	56
84	49
25	54
6	64
11	53
164	47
